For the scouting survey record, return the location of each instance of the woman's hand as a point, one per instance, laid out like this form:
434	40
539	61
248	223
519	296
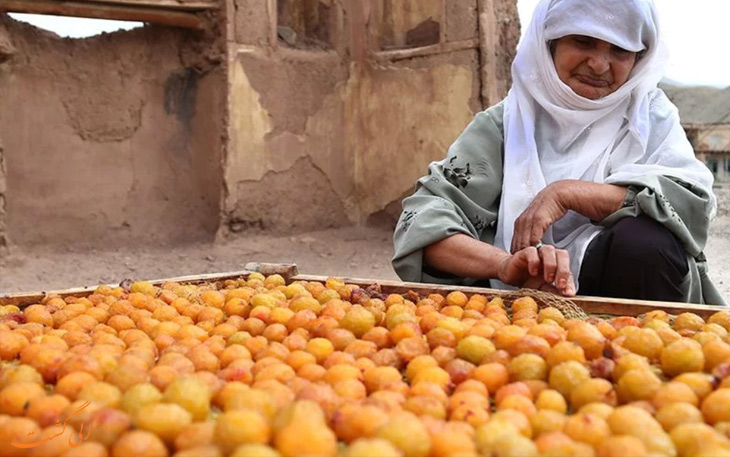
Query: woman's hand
545	269
545	209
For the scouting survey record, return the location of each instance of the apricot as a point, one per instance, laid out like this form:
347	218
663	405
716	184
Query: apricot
689	437
300	430
249	450
190	393
357	320
408	434
587	428
682	356
48	410
526	367
674	392
634	421
166	420
103	394
567	376
87	449
105	426
139	443
550	399
17	430
716	406
595	390
492	375
15	398
637	384
620	446
19	373
700	383
487	435
629	362
587	337
565	351
425	406
674	414
645	342
352	421
11	344
251	399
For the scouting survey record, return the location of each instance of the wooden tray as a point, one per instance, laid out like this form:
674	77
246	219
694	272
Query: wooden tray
591	305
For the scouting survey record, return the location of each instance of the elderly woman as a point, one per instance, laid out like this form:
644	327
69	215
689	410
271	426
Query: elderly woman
580	181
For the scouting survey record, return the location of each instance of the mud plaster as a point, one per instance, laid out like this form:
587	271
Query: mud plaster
3	189
252	24
277	204
6	45
461	20
88	161
292	84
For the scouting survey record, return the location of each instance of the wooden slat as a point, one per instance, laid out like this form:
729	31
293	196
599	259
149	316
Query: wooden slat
99	11
159	4
423	51
592	305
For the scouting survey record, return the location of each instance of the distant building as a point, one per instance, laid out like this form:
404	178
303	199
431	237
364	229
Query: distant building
705	116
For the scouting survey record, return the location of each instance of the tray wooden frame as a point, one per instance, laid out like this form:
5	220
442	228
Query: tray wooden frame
591	305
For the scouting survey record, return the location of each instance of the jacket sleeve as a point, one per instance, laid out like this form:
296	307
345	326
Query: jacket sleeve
460	194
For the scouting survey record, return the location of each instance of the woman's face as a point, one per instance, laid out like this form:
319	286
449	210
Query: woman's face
593	68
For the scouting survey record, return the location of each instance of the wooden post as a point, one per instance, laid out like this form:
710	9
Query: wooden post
488	52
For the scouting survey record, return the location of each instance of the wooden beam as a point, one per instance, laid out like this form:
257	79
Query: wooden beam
104	11
159	4
423	51
488	52
591	305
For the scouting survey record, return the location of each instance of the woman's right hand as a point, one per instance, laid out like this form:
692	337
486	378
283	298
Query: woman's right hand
545	269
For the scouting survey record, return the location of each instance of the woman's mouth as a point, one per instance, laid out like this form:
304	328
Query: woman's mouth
595	82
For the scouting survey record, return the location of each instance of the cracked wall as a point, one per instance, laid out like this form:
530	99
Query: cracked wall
113	138
339	135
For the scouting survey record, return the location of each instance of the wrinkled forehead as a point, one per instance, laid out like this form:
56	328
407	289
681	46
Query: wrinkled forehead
629	24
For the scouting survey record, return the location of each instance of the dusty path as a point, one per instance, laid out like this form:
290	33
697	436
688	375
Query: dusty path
354	252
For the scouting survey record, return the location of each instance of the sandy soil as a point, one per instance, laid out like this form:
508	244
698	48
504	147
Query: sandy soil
354	252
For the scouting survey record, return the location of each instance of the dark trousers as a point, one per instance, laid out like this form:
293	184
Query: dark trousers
636	258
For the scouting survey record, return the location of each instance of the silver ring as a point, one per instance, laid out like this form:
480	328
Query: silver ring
539	245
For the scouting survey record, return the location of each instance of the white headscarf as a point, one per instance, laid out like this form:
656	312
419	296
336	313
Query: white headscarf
552	133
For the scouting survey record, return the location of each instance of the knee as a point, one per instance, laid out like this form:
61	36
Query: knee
643	241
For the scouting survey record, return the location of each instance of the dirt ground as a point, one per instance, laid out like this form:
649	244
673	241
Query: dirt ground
352	251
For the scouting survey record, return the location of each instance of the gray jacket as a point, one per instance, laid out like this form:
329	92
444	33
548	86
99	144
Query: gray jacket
454	198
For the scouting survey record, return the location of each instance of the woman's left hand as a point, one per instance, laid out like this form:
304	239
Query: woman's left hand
544	210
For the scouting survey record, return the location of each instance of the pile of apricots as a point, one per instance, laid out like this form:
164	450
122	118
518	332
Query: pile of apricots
257	367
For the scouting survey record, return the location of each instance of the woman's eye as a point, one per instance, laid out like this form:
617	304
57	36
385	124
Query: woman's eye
621	52
583	41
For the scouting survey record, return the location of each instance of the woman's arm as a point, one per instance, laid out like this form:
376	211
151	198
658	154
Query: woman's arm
465	256
593	200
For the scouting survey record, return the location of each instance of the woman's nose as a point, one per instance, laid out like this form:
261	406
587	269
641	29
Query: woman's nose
599	62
